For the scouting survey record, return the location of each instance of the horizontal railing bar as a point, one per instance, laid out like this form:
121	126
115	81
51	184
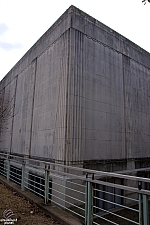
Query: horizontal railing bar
81	185
3	158
66	208
67	195
68	188
13	175
36	168
108	184
16	168
35	181
27	174
34	191
32	175
33	185
4	174
12	172
103	173
16	162
100	172
120	196
106	220
37	184
3	169
114	215
122	187
15	181
69	177
102	182
97	223
107	174
52	195
114	203
68	202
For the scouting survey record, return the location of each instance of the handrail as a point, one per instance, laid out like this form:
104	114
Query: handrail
80	191
95	172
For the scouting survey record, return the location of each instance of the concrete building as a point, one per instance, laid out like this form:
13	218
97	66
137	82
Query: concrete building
81	96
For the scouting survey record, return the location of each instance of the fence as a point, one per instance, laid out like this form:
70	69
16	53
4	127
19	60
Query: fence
95	197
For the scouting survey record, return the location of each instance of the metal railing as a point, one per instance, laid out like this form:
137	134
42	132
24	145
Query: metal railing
95	197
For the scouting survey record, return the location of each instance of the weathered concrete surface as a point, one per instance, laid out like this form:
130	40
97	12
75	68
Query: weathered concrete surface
81	94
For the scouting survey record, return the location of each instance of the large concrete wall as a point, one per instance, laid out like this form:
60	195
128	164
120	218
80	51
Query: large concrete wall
109	98
38	86
81	95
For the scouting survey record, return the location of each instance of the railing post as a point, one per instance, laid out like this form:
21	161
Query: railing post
140	205
140	210
23	174
89	203
145	210
47	168
86	200
8	167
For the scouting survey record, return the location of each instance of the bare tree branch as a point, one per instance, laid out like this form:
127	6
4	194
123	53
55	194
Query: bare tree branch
144	1
6	110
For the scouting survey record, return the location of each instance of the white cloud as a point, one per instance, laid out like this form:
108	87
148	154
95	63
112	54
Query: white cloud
3	28
5	35
10	46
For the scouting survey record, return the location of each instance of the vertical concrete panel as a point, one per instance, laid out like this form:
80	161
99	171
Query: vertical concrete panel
49	114
75	112
96	102
23	111
137	109
8	102
104	102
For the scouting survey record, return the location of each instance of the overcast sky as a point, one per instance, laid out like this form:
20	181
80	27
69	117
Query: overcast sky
23	22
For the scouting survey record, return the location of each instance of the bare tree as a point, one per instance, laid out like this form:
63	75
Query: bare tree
144	1
6	110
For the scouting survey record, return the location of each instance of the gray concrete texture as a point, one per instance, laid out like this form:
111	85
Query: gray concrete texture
81	93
